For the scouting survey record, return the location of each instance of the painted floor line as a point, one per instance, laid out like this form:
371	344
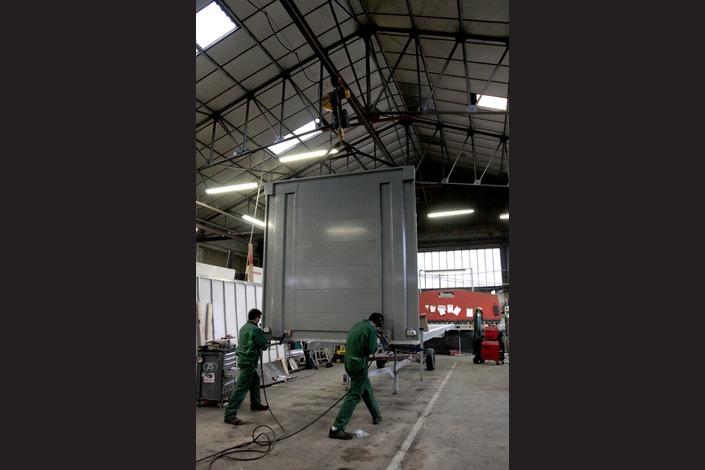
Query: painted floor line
396	461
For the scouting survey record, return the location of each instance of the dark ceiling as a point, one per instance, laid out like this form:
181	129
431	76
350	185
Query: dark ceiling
408	73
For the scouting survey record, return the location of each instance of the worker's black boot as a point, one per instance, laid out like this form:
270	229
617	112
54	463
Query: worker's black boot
339	434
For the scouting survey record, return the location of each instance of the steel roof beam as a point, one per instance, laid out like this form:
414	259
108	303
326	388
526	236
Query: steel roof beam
318	49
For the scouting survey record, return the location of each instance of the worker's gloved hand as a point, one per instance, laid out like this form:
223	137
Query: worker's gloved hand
284	335
382	339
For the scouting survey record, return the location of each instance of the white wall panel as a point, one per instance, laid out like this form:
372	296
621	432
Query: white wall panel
231	300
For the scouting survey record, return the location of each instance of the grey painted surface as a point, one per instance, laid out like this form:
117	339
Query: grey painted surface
336	249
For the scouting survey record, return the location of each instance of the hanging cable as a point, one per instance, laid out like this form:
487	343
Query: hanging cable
249	270
254	215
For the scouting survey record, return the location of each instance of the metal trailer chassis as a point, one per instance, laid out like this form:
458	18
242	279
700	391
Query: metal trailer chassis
400	356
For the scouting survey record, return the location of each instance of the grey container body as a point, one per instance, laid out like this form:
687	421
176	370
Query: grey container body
336	249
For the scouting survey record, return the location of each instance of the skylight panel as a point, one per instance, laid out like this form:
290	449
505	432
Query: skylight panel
211	25
492	102
282	147
307	128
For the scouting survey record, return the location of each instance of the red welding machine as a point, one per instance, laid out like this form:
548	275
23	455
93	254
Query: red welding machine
488	346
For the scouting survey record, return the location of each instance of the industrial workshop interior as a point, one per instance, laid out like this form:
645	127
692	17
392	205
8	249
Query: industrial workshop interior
352	157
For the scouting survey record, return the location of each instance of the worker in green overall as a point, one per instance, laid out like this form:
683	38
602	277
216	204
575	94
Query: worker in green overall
251	341
360	343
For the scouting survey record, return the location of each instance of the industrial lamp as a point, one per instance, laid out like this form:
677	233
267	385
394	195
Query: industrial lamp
449	213
254	221
305	155
234	187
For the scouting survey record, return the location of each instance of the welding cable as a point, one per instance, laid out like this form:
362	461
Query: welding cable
264	390
309	424
285	436
261	439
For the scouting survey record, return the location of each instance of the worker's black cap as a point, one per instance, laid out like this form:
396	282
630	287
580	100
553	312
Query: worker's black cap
378	318
254	313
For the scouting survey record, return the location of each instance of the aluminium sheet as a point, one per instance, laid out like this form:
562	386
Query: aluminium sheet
336	249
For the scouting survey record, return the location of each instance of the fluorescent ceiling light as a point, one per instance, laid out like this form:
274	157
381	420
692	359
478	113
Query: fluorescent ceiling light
504	216
254	221
449	213
278	149
302	156
211	25
235	187
492	102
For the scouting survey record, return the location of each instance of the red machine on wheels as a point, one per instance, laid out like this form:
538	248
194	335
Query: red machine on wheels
487	342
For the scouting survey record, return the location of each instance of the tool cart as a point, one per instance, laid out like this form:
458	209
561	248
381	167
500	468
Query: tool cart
216	373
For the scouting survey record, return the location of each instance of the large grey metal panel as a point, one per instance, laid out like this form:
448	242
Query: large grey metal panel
336	249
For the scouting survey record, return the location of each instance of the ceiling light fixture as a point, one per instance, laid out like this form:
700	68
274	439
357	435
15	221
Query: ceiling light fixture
254	221
235	187
305	155
504	216
449	213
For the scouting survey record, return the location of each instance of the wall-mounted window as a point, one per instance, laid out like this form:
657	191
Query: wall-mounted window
473	269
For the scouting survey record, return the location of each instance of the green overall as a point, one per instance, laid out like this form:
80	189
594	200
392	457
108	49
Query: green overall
251	341
361	342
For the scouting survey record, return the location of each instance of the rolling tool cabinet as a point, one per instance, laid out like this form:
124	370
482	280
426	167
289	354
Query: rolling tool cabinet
216	374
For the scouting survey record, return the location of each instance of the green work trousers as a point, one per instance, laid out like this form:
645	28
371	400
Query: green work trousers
360	389
247	381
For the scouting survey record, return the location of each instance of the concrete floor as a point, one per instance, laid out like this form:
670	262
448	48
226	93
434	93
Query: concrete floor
453	417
